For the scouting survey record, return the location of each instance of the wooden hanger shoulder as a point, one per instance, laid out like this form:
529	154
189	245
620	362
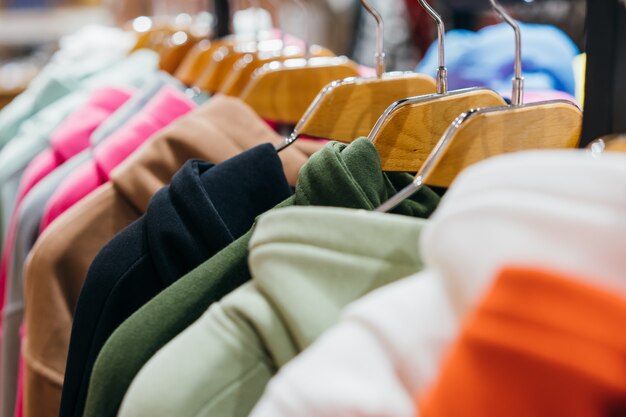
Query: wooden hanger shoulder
348	109
174	50
197	60
554	125
282	91
220	65
406	134
153	37
243	69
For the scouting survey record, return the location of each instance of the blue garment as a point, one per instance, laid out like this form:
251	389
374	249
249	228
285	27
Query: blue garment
486	58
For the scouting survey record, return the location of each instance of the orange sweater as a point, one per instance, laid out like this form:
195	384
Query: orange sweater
540	344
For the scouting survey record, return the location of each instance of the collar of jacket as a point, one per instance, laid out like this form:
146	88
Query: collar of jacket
559	210
214	131
328	257
208	206
351	176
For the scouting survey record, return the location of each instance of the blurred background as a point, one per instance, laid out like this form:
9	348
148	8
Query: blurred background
30	29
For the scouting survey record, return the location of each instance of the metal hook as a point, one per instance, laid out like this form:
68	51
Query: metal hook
518	80
380	43
442	72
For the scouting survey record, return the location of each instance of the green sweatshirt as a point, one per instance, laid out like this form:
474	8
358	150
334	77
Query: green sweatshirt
338	176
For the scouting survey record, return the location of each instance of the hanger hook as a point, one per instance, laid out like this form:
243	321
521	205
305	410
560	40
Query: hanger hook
307	28
518	80
442	72
380	34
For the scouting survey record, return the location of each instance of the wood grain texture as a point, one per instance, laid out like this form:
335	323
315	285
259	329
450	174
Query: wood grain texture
410	133
220	65
172	54
153	38
546	126
348	109
282	91
197	59
243	69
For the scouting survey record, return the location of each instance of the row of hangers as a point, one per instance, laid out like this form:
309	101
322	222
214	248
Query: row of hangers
414	122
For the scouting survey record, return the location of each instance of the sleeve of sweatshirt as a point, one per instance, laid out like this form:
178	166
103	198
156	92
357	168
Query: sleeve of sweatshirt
385	350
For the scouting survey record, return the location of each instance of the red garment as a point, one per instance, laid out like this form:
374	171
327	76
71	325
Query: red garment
540	344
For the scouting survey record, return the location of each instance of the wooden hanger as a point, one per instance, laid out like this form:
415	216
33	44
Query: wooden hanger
409	129
175	48
483	133
348	108
224	59
153	38
282	91
197	59
243	69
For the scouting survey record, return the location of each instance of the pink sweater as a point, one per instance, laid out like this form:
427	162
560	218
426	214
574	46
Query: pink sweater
168	105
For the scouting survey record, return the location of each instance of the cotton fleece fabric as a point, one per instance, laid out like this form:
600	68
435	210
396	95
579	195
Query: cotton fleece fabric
56	269
556	210
204	209
486	58
541	344
338	175
168	105
306	264
70	138
31	213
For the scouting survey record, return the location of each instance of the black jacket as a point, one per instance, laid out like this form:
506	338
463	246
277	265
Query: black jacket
204	209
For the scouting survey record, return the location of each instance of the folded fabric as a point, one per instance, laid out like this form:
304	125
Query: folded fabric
338	175
540	344
165	107
306	264
486	58
558	210
71	137
56	268
174	236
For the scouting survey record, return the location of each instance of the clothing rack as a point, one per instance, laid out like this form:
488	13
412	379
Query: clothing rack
605	90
